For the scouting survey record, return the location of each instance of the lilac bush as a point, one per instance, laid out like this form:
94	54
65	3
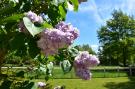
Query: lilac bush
38	32
61	36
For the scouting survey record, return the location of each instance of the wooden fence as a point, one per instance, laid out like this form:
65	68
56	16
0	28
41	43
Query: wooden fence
98	72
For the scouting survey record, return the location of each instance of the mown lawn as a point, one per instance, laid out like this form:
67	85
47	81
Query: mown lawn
96	83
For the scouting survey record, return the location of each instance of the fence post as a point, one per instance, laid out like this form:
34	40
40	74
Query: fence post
71	74
130	70
104	71
118	70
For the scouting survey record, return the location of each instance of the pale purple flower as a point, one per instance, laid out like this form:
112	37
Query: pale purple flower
86	59
82	63
53	39
34	17
93	60
41	84
83	73
60	25
31	15
71	33
58	87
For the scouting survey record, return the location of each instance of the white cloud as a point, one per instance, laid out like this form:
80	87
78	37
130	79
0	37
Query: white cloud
130	6
94	47
89	6
92	9
102	11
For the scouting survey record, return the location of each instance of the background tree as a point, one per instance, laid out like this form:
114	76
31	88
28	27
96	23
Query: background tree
86	47
117	39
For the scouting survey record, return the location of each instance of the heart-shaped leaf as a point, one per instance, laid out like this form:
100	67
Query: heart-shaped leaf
31	27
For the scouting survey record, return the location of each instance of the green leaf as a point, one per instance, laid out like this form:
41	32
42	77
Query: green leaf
51	58
62	11
76	4
31	27
56	2
33	48
6	84
73	51
13	18
35	86
66	66
20	74
18	41
50	67
47	25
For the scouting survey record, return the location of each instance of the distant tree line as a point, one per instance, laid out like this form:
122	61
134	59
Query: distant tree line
86	47
117	40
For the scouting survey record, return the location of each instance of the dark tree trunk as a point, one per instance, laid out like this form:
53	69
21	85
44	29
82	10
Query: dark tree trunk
124	62
124	57
2	56
1	61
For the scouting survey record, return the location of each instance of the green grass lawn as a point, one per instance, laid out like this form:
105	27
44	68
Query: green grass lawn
96	83
57	73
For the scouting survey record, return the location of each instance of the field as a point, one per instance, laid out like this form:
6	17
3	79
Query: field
109	79
96	83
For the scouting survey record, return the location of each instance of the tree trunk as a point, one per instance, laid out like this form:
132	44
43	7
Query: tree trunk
1	61
124	62
124	57
2	55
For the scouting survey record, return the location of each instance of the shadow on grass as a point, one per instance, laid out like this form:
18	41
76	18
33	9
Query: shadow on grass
124	85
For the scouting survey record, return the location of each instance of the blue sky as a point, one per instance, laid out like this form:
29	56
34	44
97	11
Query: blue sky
93	14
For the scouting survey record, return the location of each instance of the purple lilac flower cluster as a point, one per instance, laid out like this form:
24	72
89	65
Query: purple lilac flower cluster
53	39
41	85
34	17
82	63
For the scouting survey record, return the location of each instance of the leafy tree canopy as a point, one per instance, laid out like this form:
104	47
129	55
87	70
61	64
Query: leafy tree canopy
117	39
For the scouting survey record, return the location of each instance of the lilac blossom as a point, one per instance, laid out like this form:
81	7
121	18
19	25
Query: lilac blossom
41	85
83	73
82	63
53	39
34	17
68	28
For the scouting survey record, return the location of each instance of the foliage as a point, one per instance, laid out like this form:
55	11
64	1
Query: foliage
12	40
85	47
67	56
117	40
35	29
11	13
